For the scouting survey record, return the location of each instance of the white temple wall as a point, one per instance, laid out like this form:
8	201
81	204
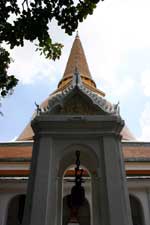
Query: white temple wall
140	188
8	190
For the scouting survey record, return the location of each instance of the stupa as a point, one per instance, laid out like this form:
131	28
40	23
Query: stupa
72	118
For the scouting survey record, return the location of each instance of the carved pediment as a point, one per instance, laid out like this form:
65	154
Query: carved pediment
77	104
78	99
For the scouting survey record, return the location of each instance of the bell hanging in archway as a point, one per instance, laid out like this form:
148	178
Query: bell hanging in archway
77	197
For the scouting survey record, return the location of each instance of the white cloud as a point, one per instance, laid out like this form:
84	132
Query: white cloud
145	81
145	123
29	66
107	35
121	88
13	139
114	31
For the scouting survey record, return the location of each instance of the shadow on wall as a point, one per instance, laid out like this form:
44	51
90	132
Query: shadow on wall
136	210
16	210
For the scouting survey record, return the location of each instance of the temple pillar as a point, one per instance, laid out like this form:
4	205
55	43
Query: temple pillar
41	194
96	205
114	196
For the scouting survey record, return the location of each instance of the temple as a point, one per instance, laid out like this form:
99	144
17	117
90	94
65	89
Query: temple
75	117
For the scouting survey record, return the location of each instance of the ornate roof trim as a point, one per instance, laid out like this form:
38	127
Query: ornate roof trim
58	98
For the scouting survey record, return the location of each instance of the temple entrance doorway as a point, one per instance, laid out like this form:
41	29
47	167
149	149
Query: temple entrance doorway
83	215
88	211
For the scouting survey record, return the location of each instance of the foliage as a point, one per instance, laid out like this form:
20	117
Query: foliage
22	20
6	82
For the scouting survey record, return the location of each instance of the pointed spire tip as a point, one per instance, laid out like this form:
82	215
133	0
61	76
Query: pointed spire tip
77	61
77	34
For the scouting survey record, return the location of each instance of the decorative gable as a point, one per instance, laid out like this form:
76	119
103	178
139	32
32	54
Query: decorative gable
78	99
79	104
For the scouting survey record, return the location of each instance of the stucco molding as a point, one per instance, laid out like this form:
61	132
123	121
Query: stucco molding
59	98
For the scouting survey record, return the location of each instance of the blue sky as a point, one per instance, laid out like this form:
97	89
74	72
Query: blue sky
116	40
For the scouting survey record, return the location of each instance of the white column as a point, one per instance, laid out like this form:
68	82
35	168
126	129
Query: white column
41	195
59	201
4	202
96	208
144	200
114	196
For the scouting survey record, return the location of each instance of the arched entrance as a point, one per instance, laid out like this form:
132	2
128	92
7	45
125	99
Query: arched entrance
89	164
16	210
136	210
84	211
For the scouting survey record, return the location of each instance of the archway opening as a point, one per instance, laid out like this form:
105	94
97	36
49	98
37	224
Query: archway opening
136	210
16	210
89	162
84	211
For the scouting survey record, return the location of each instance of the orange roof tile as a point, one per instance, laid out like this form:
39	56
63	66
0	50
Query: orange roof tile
21	150
15	151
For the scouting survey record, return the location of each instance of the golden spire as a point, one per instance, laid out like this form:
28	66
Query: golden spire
77	60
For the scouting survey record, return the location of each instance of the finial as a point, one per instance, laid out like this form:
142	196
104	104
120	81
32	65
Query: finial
75	70
76	77
117	107
77	34
38	109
